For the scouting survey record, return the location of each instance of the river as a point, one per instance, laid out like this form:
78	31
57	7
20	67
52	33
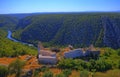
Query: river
9	36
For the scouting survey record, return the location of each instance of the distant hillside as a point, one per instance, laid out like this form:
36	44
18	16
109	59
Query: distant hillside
8	22
78	29
23	15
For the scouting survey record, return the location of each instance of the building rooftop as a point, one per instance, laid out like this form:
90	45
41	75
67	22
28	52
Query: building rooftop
45	57
47	53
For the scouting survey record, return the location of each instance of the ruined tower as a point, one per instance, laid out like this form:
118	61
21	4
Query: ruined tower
40	47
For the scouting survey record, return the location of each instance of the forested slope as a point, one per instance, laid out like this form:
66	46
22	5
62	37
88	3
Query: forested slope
8	22
78	29
9	48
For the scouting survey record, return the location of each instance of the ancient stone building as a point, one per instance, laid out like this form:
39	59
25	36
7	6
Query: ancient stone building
45	56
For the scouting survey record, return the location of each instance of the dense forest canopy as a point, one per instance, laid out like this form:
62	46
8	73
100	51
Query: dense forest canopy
77	29
8	22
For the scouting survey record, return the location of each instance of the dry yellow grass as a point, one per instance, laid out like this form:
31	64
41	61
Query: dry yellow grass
6	61
13	75
75	74
30	64
110	73
56	70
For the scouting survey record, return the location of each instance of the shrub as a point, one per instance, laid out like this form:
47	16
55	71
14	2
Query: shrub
118	52
67	72
48	74
16	67
44	68
36	73
84	73
60	75
3	71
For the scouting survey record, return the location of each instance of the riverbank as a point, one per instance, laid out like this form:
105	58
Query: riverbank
9	36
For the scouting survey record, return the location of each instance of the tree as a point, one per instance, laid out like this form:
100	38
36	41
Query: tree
60	75
36	73
119	64
3	71
67	72
48	74
84	73
16	67
66	63
118	52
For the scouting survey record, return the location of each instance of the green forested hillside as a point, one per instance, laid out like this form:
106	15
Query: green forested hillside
63	29
9	48
79	29
8	22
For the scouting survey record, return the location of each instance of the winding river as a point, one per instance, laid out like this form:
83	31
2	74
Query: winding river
9	36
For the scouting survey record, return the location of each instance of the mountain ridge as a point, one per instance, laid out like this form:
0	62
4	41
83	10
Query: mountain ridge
77	29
